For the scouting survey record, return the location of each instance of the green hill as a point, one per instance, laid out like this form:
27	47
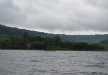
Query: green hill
15	38
10	31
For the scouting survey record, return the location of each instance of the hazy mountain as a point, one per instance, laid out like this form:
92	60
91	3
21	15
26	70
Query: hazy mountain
11	31
86	38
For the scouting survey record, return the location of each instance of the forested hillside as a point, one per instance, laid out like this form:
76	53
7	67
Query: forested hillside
14	38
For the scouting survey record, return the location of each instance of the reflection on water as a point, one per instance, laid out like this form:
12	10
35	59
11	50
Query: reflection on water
53	63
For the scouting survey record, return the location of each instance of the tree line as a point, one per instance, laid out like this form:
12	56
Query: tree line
44	43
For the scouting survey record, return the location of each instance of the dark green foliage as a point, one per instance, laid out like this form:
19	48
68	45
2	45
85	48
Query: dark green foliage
13	38
55	43
105	41
6	31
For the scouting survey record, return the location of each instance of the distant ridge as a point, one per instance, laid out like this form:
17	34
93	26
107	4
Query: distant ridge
12	31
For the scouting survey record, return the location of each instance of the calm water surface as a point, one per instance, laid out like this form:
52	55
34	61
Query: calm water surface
53	63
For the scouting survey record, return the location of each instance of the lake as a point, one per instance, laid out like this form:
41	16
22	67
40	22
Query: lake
14	62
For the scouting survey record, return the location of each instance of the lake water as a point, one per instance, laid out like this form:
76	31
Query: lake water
53	63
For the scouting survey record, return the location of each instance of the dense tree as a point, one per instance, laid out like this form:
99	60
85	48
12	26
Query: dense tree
47	43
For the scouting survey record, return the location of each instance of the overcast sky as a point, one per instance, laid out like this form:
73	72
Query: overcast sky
56	16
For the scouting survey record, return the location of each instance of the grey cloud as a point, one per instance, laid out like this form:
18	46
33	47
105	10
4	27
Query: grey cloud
56	15
9	14
99	3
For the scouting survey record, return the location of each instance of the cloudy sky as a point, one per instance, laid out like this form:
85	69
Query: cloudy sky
56	16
